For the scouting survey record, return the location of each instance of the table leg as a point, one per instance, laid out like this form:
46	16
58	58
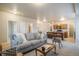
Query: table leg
0	55
44	54
36	52
55	49
59	45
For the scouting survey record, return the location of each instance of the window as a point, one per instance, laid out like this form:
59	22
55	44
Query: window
17	27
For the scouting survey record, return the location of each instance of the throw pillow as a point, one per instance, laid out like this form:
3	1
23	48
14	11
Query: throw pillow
30	36
37	36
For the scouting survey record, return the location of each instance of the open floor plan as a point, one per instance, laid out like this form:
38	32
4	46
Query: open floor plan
39	29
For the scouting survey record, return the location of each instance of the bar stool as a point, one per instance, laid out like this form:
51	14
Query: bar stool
57	40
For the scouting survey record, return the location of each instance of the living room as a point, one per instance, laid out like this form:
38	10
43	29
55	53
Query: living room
45	19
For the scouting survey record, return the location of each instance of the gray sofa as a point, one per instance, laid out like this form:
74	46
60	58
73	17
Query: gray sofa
28	41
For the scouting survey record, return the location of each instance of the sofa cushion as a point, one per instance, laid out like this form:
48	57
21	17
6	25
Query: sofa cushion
29	36
37	36
22	36
42	40
34	42
24	45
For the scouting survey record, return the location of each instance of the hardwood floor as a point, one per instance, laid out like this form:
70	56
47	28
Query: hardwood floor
70	39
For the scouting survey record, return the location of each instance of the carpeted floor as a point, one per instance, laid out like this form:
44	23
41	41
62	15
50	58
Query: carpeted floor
68	49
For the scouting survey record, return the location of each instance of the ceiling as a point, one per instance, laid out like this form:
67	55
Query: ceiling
44	10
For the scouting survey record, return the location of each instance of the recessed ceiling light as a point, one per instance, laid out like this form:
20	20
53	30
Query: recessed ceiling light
62	19
14	10
38	21
44	20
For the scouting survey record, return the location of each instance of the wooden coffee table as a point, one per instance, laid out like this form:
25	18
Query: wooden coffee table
46	48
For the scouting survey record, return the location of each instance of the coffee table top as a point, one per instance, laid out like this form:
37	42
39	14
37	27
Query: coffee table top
47	47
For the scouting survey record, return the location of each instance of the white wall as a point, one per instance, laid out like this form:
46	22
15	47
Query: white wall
4	18
0	30
43	26
3	28
76	21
